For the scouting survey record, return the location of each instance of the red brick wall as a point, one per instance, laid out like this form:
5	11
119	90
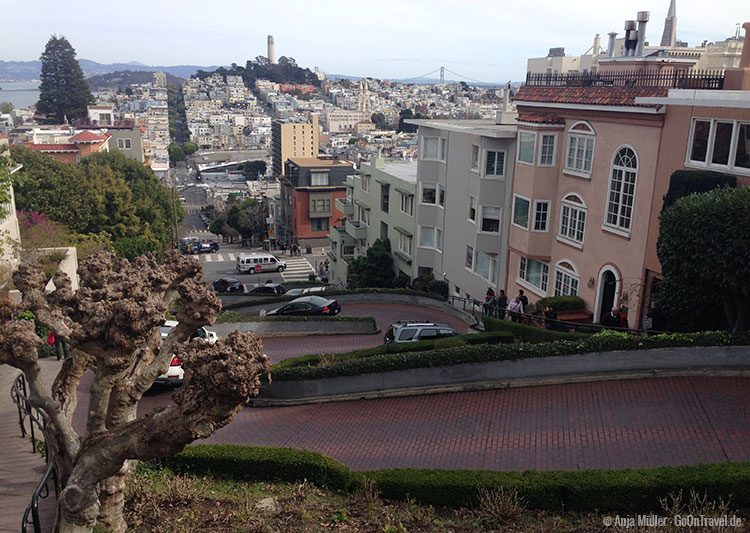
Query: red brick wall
301	214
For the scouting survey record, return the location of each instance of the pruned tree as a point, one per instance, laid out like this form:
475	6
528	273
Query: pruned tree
112	325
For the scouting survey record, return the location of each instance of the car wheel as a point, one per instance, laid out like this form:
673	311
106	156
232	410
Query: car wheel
280	269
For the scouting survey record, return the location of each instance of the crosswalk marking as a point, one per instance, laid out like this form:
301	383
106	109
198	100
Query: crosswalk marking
297	269
207	258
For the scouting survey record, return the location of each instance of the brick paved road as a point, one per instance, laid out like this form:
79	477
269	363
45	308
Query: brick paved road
616	424
384	313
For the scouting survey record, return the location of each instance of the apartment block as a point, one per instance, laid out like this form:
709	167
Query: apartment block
379	204
293	138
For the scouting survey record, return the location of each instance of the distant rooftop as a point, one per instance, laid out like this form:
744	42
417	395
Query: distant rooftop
486	128
402	169
605	96
306	162
669	79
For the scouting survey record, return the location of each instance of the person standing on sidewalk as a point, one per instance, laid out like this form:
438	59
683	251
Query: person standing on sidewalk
502	304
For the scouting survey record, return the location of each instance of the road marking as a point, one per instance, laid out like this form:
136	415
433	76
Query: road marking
208	258
231	257
219	257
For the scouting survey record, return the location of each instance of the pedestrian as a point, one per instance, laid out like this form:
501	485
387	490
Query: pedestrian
501	304
489	302
326	263
515	309
550	318
283	248
611	319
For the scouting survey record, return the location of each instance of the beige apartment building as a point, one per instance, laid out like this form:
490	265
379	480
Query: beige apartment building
293	138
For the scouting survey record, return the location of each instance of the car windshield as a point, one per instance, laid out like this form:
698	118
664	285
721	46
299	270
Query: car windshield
315	300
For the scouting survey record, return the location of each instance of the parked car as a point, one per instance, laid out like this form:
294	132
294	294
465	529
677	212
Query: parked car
405	331
308	305
305	291
209	247
175	372
272	289
268	263
186	245
225	285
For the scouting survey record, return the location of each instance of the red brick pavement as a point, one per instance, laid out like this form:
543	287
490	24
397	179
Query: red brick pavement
385	314
616	424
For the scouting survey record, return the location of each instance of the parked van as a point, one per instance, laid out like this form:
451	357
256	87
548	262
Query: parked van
268	262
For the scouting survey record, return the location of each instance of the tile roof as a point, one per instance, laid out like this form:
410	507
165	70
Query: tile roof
540	118
63	147
88	137
615	96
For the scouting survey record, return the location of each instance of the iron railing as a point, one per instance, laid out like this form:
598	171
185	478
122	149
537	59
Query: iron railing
36	418
677	79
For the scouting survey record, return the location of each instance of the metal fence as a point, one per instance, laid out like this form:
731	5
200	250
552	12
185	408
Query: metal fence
37	426
677	79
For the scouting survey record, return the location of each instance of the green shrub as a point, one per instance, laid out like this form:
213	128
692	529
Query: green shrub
449	342
257	463
637	490
685	182
528	333
388	362
562	303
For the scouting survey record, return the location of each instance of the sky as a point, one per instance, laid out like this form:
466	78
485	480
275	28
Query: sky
483	40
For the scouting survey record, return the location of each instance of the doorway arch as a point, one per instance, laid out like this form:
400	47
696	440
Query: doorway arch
607	291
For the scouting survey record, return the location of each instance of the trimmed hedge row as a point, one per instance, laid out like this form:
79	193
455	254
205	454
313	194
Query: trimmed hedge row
561	303
251	300
603	342
233	316
496	337
528	333
633	490
260	463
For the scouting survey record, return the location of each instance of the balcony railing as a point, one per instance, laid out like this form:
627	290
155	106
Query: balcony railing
345	206
356	229
678	79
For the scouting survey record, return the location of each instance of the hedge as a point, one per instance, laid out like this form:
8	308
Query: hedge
561	303
233	316
251	300
528	333
259	463
685	182
601	342
497	337
631	490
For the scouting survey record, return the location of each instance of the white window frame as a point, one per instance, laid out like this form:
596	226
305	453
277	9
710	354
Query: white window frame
580	135
561	273
442	148
513	212
499	220
363	215
328	223
486	159
533	148
537	203
617	228
492	266
319	174
471	203
709	164
429	185
407	199
438	238
542	135
124	144
543	278
365	181
475	158
405	243
469	254
575	209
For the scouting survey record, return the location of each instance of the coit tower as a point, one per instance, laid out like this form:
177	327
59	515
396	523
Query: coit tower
271	50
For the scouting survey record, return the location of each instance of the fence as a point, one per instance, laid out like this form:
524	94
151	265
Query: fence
37	422
677	79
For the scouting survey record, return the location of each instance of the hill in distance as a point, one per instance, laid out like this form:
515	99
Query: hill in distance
123	78
30	70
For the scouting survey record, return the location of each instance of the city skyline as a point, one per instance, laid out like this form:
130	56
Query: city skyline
399	40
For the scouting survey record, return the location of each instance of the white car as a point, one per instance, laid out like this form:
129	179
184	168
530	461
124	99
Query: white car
175	372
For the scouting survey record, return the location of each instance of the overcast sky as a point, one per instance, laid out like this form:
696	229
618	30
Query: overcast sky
487	40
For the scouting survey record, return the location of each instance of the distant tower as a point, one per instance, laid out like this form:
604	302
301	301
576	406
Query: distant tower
363	96
271	50
669	37
160	79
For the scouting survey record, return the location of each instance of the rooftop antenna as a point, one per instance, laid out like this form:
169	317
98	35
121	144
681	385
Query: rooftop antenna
737	31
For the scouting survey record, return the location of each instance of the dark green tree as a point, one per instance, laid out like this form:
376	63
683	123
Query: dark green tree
247	218
175	153
375	268
112	209
405	115
704	248
189	147
380	121
6	108
254	168
132	247
63	93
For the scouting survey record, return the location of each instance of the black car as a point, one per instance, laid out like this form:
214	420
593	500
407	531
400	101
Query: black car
228	285
271	289
209	247
308	305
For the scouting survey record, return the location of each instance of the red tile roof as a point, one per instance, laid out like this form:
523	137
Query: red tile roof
540	118
67	147
620	96
88	137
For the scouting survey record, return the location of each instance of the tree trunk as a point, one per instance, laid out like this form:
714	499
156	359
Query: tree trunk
112	499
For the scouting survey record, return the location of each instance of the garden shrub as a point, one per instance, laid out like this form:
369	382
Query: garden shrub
685	182
562	303
524	332
449	342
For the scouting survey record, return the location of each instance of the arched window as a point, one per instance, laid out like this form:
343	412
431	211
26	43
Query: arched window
622	189
581	138
572	220
566	279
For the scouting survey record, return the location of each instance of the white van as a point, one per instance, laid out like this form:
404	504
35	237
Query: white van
268	263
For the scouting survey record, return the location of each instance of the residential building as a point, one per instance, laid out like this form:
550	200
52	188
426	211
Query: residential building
379	204
77	146
464	184
10	234
587	169
309	190
343	120
293	138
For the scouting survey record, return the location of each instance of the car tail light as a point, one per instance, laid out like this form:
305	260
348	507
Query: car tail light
175	361
325	309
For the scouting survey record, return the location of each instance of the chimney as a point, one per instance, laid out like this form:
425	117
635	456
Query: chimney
631	38
643	17
597	45
738	79
611	45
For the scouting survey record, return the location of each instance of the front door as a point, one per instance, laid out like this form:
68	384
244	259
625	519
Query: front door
607	288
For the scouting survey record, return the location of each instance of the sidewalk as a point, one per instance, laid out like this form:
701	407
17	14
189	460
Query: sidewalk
20	469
